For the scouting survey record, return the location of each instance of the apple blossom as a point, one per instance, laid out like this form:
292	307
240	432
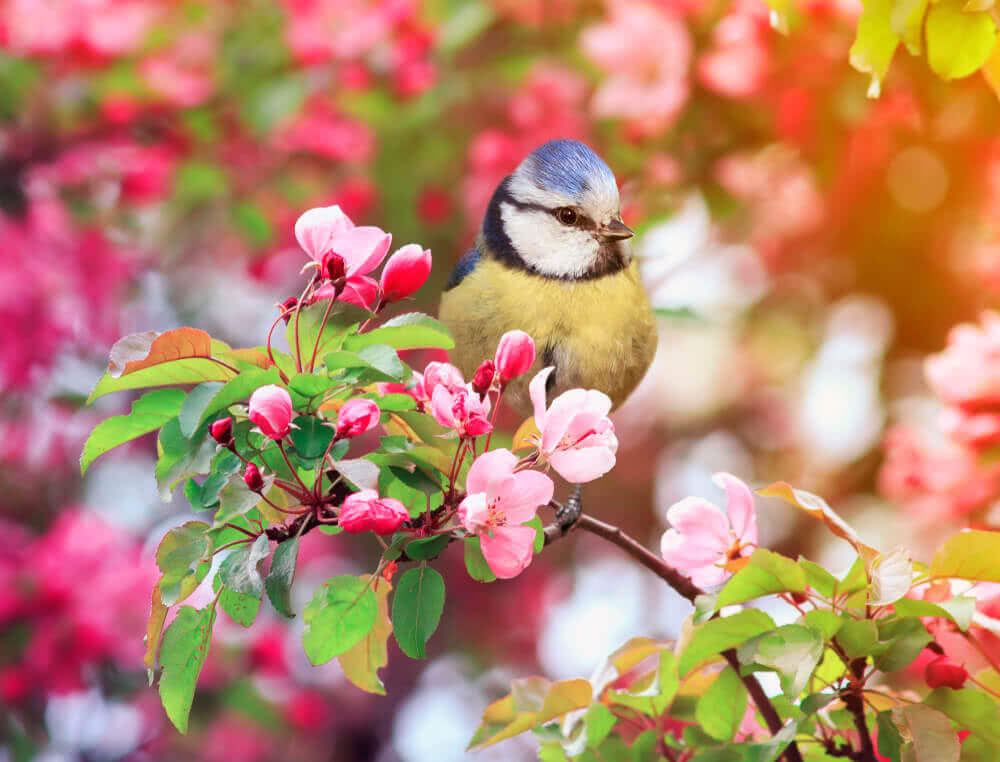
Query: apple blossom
702	539
967	372
461	409
365	511
497	503
483	379
943	672
577	437
222	431
271	410
441	373
356	417
405	272
252	478
515	354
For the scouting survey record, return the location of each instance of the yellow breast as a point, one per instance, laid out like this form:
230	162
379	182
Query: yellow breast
600	333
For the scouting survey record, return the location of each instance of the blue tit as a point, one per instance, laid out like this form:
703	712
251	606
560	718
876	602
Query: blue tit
552	259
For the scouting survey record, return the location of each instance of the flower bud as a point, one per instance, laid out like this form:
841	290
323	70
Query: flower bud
389	516
483	379
405	272
942	671
356	417
364	511
332	267
222	431
286	308
271	410
252	478
515	354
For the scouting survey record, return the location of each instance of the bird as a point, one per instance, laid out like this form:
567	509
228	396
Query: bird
552	259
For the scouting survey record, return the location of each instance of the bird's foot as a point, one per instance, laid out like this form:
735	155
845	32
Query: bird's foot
567	515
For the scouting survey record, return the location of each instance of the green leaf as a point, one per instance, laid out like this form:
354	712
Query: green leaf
393	403
236	499
149	412
239	388
194	406
931	738
971	709
342	611
792	650
533	701
253	223
279	579
874	43
242	609
958	610
765	574
414	330
958	43
198	181
721	708
183	557
718	635
892	577
362	662
976	749
224	465
416	609
182	654
475	564
428	548
180	457
312	436
824	621
903	639
380	358
599	721
269	101
342	320
240	570
971	554
890	742
818	578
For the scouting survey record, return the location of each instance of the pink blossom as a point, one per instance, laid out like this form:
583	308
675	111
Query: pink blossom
222	431
321	130
461	409
252	478
515	354
441	373
703	539
942	671
271	410
405	272
183	74
972	429
646	51
102	28
737	64
365	511
328	229
356	417
577	437
967	372
318	30
483	379
497	504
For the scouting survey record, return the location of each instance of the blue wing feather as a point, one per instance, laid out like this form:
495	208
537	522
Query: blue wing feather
465	266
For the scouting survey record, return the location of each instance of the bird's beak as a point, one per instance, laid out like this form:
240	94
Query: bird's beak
616	230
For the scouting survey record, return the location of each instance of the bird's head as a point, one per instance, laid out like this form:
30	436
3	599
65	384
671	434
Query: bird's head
559	214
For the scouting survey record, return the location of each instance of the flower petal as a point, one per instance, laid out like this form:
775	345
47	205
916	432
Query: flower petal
536	390
524	495
583	464
739	506
682	554
363	249
473	512
702	522
559	417
489	469
359	290
315	228
509	550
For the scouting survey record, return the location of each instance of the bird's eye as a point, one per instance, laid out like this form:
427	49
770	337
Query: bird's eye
566	215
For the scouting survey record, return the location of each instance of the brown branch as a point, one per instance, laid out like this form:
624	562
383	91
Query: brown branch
853	701
689	590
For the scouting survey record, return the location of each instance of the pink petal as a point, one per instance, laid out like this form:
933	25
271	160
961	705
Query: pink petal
509	550
703	523
739	506
682	555
315	228
363	249
525	493
359	290
473	512
709	576
560	416
536	390
441	402
489	469
583	464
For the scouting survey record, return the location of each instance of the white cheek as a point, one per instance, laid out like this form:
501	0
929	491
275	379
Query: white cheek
548	246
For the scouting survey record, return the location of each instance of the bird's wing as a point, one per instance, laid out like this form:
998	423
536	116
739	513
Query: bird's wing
465	266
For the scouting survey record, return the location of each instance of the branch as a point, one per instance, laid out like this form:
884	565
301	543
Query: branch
689	590
855	704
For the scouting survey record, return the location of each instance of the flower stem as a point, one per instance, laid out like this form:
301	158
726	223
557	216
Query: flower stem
319	336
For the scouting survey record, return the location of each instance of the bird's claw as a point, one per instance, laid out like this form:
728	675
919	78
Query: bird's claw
567	515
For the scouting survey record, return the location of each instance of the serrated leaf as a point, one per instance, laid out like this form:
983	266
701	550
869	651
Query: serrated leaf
236	499
240	571
541	703
416	609
180	457
312	436
958	43
818	578
362	662
242	609
718	635
363	474
971	554
342	611
958	610
927	734
903	640
428	548
720	708
194	406
239	388
278	583
182	654
766	573
149	412
792	650
183	557
599	720
414	330
971	708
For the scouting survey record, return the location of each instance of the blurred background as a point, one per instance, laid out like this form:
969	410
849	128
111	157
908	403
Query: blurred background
809	248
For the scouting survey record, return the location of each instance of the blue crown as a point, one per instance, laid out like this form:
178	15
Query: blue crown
569	167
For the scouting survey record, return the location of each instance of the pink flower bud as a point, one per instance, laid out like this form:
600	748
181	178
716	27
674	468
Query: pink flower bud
483	379
252	478
332	267
222	431
942	671
364	511
356	417
286	308
271	410
405	272
515	354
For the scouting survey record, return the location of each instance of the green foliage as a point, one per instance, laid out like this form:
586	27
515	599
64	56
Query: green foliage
413	330
765	574
182	654
721	707
718	635
342	611
278	583
183	557
416	609
149	413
